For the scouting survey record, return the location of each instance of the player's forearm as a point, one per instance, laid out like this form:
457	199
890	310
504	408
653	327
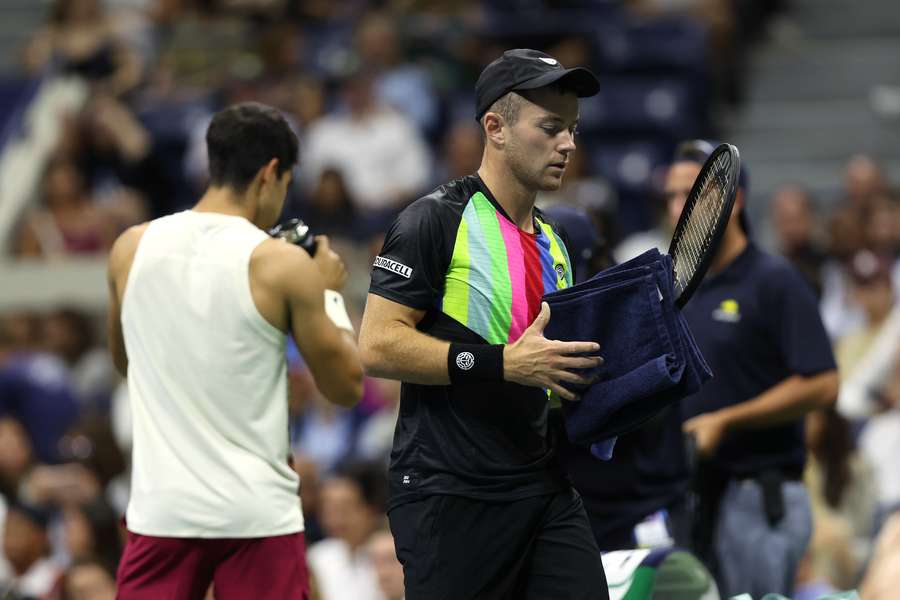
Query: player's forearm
398	351
787	401
342	382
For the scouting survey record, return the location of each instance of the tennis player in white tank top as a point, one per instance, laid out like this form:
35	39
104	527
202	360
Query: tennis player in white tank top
200	305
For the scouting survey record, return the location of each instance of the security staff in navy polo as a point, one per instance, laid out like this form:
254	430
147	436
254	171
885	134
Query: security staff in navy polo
756	320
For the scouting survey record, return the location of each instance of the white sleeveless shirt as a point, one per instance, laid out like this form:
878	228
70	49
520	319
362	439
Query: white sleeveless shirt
207	382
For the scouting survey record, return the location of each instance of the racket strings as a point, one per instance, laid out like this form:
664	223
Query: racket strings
700	224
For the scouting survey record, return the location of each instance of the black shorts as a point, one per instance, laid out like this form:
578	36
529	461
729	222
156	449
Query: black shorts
540	548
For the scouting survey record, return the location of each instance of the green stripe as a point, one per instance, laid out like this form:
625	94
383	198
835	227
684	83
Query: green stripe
501	302
456	284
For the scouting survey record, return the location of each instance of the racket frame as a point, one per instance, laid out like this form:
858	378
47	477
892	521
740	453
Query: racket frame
721	223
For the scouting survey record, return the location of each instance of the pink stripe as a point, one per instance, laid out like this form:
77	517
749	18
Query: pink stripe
515	258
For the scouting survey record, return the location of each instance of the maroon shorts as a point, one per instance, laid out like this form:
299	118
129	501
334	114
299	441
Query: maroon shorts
162	568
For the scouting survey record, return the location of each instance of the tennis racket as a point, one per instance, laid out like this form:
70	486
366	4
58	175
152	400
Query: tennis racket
703	220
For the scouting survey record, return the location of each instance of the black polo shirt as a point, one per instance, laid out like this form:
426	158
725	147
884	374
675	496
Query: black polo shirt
456	255
648	472
757	323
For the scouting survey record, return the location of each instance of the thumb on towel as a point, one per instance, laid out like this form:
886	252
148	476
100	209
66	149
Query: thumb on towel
541	320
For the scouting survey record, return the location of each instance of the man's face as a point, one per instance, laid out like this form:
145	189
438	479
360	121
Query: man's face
539	143
792	218
90	582
344	512
24	541
680	178
387	568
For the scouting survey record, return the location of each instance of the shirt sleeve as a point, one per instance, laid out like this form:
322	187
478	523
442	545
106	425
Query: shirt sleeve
799	331
412	263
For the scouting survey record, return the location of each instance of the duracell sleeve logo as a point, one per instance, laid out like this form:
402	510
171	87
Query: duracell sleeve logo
393	266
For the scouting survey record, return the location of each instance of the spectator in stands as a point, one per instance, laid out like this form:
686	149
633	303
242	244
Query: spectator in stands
305	101
36	390
320	431
883	235
91	531
883	227
69	222
116	154
794	221
309	498
88	580
461	151
281	50
398	83
16	455
81	39
376	435
846	233
61	485
843	493
70	335
872	291
329	209
864	182
204	49
388	569
383	158
880	443
351	506
26	545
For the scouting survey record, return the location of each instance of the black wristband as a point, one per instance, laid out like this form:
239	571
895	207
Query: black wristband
474	363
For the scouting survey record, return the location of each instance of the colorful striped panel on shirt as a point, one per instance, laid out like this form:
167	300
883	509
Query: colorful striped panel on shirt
498	273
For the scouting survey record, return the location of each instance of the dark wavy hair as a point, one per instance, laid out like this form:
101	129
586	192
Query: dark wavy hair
242	139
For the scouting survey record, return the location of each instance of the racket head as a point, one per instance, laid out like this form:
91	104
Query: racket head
703	220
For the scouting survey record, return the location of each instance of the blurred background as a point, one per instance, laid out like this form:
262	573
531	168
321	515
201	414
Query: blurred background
103	110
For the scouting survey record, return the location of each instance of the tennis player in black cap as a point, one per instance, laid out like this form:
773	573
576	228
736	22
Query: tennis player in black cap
479	507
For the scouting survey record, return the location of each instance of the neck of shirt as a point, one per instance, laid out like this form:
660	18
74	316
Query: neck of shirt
535	229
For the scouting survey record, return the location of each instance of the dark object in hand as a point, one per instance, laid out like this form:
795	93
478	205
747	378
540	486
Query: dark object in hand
296	232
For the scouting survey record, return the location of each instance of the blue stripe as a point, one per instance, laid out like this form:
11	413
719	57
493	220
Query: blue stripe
548	275
480	280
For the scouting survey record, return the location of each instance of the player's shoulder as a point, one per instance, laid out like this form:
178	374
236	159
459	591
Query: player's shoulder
132	236
275	258
446	200
124	247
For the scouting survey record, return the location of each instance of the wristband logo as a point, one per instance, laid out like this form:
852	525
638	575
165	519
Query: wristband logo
465	360
393	266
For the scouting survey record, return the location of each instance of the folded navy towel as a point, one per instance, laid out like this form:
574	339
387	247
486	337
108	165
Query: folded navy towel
650	357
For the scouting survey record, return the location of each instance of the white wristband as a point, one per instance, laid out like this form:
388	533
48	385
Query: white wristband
336	311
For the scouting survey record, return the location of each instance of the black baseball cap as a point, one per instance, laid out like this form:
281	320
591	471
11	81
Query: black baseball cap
524	69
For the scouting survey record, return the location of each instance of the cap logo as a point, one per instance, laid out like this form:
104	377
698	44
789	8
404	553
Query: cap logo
549	61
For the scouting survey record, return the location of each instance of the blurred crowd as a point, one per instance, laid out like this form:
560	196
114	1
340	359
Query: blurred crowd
380	95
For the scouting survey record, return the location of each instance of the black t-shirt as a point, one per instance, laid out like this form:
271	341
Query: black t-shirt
648	471
480	279
757	323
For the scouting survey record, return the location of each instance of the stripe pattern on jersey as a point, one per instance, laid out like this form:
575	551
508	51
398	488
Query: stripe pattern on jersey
498	273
